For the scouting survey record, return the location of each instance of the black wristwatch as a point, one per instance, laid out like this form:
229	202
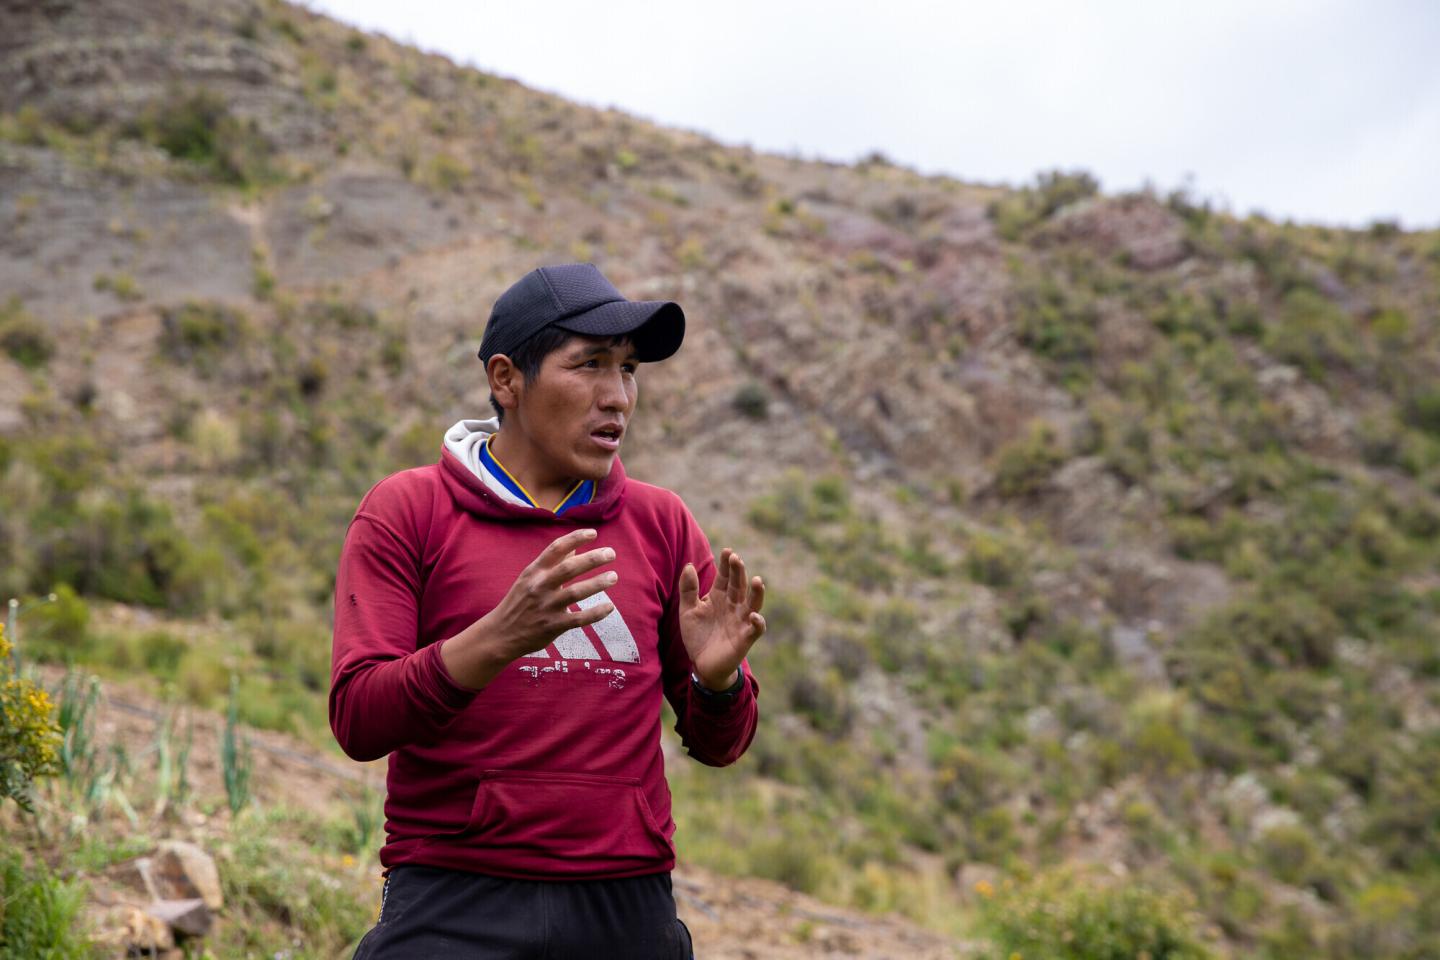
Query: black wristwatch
729	693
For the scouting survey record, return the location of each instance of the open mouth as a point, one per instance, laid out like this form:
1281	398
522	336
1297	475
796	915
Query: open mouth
608	437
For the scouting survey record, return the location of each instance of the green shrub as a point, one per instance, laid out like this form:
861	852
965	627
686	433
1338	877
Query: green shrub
1057	322
794	510
829	499
919	554
1388	919
1187	320
262	279
1158	744
1289	852
57	630
1405	803
29	734
1019	210
1274	627
203	676
395	352
793	852
1391	326
966	780
780	513
993	561
122	285
1422	410
201	334
894	635
823	699
161	652
859	554
992	836
1314	334
198	129
443	173
1068	916
751	401
122	545
39	914
24	338
1024	465
341	314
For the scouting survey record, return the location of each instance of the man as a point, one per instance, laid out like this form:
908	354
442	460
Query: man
506	622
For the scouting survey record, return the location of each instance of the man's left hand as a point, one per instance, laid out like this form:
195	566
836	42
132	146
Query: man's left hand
720	628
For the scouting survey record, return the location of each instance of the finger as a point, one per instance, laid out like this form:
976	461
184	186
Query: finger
572	566
757	594
586	588
583	618
736	586
757	626
559	547
689	587
722	574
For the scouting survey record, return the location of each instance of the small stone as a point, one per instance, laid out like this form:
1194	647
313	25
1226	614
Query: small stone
183	870
140	932
186	918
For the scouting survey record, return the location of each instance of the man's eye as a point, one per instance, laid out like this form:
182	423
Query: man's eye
629	367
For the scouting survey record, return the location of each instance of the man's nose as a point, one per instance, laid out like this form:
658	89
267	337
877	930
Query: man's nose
613	395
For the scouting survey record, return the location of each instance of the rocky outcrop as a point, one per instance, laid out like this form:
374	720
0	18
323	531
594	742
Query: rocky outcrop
83	63
1136	226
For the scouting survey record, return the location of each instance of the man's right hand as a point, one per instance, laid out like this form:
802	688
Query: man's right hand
534	612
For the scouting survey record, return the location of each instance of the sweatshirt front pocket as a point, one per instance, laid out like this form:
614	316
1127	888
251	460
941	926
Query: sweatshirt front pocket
568	816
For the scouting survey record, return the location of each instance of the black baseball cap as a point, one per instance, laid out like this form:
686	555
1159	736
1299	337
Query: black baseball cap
578	298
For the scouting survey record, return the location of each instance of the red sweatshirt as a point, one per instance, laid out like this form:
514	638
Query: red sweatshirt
554	770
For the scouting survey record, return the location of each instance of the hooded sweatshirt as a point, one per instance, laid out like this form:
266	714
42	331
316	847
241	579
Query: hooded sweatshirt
554	770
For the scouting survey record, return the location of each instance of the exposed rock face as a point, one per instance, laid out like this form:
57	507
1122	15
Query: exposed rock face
354	223
82	62
171	239
1150	236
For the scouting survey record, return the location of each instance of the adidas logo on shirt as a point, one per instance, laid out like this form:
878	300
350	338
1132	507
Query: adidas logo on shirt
613	635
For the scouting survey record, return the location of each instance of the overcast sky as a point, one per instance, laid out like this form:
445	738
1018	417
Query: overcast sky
1317	110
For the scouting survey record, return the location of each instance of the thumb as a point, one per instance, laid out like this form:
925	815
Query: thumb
689	587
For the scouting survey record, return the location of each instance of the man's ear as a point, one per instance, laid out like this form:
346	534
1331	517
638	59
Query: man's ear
506	381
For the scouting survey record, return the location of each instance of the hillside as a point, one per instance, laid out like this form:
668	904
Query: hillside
1103	529
299	864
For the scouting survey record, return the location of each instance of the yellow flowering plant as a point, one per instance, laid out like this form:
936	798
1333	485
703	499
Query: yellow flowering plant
29	733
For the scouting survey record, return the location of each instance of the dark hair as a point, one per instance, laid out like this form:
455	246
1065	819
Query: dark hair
529	356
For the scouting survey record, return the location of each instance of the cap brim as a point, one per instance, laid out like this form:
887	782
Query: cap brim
656	327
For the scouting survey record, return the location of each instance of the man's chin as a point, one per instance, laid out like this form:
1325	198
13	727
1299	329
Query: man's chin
596	468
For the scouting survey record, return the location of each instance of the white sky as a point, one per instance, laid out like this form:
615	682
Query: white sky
1317	110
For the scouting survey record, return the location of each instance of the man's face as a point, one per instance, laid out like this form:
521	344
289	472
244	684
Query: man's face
576	409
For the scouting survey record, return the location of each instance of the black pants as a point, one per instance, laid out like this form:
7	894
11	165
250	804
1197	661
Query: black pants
428	912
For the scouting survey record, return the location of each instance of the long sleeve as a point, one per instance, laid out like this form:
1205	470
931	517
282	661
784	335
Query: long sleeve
384	692
715	731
